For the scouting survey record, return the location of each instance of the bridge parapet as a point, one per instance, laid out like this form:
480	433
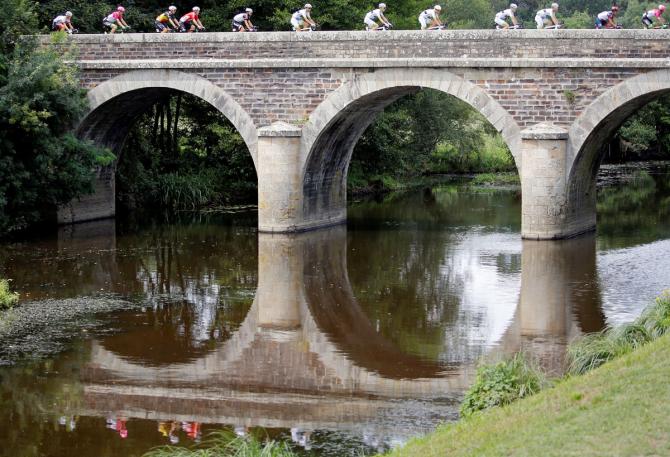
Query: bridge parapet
565	45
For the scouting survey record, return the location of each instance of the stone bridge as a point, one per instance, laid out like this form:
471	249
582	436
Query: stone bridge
301	102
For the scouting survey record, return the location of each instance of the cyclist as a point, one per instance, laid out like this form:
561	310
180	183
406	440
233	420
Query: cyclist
547	17
167	21
63	23
501	17
115	20
190	21
242	21
430	18
373	16
301	17
652	16
607	19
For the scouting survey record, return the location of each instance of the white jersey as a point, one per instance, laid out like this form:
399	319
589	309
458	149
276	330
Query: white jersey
427	15
503	15
605	16
546	13
373	15
241	17
300	15
60	20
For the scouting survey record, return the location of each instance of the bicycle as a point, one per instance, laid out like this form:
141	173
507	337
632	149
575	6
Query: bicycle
511	27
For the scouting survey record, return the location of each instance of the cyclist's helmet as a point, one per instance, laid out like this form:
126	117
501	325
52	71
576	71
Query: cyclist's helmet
661	8
382	6
308	6
513	6
68	13
196	9
437	8
615	9
172	8
249	11
120	9
554	6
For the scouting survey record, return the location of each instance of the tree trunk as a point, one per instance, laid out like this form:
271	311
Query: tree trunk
175	140
168	130
155	132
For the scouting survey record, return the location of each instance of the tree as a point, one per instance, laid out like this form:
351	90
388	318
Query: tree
42	164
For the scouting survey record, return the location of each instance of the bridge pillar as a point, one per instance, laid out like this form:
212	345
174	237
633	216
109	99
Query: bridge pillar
280	282
559	298
279	183
543	183
101	204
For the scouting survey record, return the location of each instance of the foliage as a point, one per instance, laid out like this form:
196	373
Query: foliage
473	14
226	444
579	20
206	165
490	155
7	297
502	383
596	349
42	165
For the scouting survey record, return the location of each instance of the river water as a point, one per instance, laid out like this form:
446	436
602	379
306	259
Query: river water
343	341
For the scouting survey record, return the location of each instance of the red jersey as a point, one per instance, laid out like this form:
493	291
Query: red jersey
192	16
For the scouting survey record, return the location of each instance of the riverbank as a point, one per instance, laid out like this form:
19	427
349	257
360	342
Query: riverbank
617	409
387	184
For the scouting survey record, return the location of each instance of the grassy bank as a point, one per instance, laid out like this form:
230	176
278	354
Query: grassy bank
618	409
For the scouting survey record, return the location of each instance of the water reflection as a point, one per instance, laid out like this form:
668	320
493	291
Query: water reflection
305	356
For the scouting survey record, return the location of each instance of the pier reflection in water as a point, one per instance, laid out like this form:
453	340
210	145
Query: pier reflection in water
301	354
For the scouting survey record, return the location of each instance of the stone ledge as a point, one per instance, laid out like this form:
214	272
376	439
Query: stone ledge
353	35
544	131
465	62
280	129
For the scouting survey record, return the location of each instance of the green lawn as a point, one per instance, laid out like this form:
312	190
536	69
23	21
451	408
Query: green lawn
620	409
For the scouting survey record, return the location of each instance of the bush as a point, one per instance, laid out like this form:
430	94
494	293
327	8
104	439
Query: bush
7	297
503	383
225	444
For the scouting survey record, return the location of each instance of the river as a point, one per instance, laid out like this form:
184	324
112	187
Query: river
342	341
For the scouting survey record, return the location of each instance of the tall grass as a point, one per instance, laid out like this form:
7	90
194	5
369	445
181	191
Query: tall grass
593	350
503	383
7	297
185	191
226	444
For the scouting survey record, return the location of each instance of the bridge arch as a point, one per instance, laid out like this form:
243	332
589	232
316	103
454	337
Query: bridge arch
598	122
116	103
335	126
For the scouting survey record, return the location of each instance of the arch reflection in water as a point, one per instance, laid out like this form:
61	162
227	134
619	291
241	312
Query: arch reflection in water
307	357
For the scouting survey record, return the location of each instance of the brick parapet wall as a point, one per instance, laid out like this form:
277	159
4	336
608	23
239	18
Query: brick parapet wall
517	44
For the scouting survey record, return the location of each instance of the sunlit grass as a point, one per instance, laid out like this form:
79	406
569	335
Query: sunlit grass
618	409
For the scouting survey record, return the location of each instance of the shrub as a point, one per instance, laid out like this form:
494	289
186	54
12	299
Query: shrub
225	444
7	297
502	383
